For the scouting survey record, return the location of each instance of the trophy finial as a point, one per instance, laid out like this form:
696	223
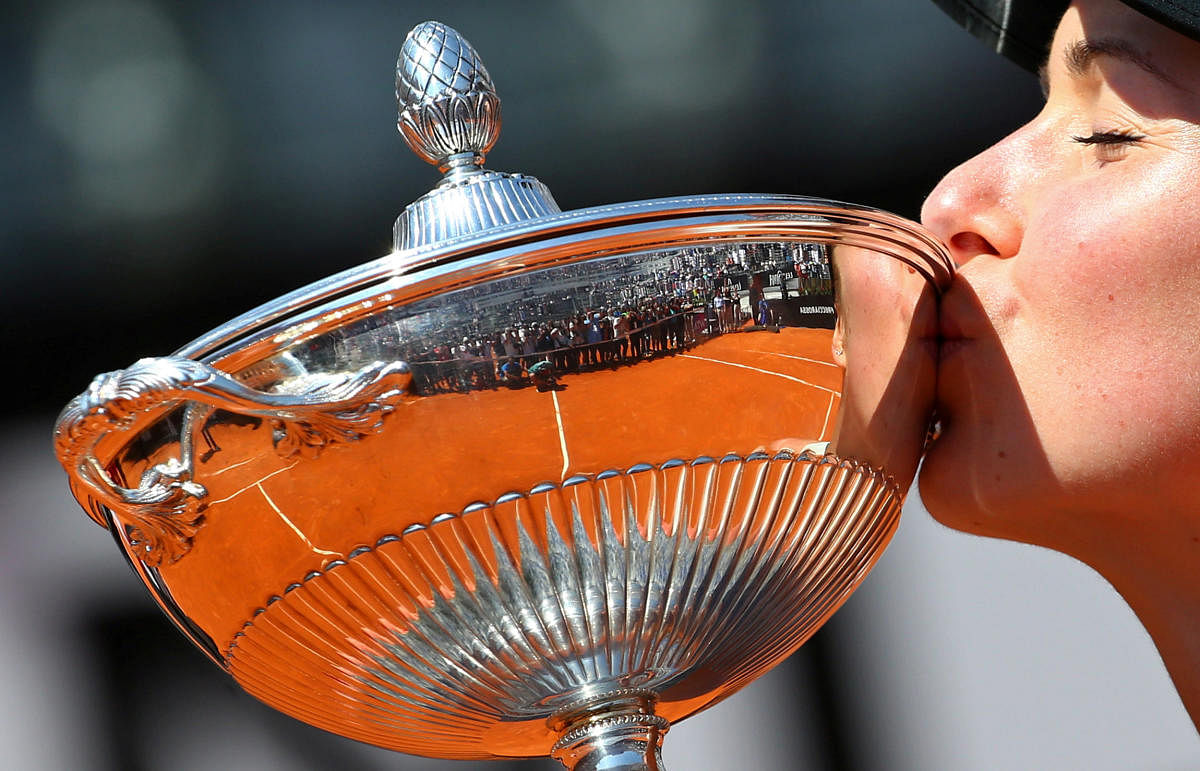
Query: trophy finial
449	111
450	117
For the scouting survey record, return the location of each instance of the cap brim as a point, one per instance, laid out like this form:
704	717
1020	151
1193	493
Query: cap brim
1019	29
1022	30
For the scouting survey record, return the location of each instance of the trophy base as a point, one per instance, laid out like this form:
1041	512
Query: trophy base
616	731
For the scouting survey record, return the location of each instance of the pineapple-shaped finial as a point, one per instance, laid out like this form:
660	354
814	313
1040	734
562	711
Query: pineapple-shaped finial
449	111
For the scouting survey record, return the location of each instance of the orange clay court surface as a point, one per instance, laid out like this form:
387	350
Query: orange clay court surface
266	528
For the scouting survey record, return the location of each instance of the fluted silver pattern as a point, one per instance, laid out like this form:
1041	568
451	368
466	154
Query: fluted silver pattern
460	638
471	205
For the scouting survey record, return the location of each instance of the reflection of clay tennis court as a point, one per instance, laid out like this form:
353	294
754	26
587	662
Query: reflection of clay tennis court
731	394
734	393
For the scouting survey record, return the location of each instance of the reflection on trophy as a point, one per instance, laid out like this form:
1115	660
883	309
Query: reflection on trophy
536	482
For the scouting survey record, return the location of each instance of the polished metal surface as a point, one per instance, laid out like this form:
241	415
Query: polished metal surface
450	117
448	105
543	483
306	412
490	622
616	731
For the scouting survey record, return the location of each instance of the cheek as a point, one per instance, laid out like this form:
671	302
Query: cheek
1115	259
1108	314
1075	251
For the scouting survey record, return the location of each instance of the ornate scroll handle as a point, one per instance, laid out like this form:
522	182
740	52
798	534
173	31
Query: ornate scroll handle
164	509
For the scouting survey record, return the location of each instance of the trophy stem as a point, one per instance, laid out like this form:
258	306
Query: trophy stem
611	732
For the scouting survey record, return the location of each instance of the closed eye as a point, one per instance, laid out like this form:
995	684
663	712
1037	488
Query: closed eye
1110	146
1109	138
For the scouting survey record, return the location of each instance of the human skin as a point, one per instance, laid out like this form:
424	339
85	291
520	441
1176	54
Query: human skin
1069	372
886	328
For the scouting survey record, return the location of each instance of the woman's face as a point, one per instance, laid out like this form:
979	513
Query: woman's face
1069	374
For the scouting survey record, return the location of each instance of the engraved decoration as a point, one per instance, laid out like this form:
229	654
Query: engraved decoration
448	105
165	510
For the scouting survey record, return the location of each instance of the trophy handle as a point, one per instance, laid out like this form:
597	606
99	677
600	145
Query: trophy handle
164	511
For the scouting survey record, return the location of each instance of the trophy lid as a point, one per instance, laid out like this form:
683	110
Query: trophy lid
450	116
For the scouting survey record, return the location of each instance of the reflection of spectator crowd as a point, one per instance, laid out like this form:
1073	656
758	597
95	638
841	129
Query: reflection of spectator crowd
529	329
594	339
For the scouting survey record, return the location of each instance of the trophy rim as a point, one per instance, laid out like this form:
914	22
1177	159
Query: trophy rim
321	305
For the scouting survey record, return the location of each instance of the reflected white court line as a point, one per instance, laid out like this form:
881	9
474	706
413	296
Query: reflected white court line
239	464
231	496
562	435
828	413
799	358
291	524
763	371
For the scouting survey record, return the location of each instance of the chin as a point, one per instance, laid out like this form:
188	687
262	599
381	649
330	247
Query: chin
964	492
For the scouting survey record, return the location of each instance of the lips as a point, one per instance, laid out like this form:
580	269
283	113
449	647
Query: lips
950	328
959	316
950	316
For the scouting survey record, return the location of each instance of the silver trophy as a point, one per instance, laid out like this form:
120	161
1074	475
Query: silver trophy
535	482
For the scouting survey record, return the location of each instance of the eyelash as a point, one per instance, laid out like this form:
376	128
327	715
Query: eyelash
1110	145
1109	138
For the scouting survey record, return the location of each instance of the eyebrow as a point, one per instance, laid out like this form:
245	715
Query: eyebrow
1082	54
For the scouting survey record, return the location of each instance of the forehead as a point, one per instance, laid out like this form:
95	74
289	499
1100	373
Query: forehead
1172	53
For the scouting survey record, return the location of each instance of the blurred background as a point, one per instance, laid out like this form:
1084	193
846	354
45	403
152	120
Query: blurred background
169	165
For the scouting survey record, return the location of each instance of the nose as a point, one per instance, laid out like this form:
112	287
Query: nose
975	208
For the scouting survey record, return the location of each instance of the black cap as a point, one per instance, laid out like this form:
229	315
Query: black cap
1022	29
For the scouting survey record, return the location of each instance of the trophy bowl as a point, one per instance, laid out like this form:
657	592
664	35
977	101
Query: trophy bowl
536	482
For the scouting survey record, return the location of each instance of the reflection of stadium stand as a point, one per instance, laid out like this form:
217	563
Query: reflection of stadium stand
677	331
583	317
